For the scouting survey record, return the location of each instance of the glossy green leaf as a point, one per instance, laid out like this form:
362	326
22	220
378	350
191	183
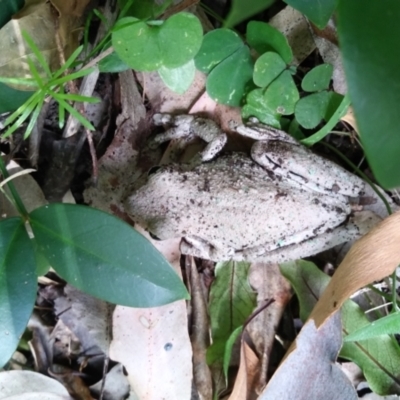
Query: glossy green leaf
373	82
231	302
8	8
257	106
242	10
310	110
211	52
17	284
388	325
11	99
318	78
263	37
146	46
318	12
282	95
267	68
180	38
228	82
178	79
103	256
378	359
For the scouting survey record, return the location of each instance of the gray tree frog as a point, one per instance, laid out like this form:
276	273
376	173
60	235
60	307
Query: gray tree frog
283	203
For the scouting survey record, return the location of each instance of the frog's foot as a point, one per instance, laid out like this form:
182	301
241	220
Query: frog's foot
198	247
255	130
184	126
358	225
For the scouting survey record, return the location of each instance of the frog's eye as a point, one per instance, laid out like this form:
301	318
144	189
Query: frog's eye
154	236
153	170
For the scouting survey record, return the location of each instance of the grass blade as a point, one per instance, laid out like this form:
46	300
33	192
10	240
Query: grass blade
37	53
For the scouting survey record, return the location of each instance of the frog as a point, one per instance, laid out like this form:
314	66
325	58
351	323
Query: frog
281	203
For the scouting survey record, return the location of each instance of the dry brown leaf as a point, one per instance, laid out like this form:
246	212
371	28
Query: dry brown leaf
249	368
268	282
200	336
350	119
373	257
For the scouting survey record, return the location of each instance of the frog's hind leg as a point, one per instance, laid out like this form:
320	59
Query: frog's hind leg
361	223
186	126
198	247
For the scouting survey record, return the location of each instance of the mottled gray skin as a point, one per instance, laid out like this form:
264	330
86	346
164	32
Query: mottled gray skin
287	204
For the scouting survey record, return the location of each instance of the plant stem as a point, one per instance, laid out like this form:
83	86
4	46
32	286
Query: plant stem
19	205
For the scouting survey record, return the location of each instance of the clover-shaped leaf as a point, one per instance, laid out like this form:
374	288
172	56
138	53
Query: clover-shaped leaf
263	37
267	68
146	46
318	78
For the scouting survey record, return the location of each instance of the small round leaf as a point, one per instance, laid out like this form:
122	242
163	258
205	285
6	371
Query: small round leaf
318	78
217	46
267	68
256	106
137	45
263	37
282	95
311	110
178	79
180	38
229	81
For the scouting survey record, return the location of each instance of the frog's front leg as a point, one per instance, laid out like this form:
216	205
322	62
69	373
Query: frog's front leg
200	248
278	152
184	126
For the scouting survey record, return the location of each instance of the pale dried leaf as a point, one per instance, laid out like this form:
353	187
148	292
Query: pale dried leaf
153	345
22	384
309	372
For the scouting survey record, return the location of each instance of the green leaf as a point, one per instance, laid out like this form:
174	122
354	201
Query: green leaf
267	68
257	106
334	119
180	39
137	44
230	80
318	78
242	10
228	349
318	12
263	37
103	256
211	52
11	99
388	325
310	110
231	302
147	47
374	89
112	63
282	95
178	79
378	359
17	285
8	8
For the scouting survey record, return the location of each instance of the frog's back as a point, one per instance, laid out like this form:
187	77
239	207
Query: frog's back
233	203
